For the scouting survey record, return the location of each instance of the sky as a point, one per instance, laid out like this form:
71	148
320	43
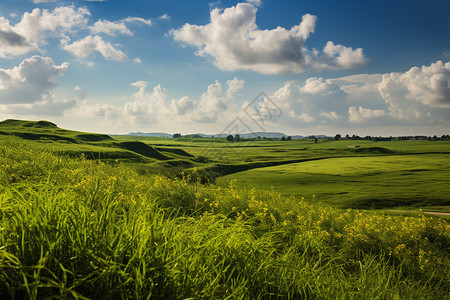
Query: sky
379	68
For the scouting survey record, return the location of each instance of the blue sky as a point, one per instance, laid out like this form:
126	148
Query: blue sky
326	67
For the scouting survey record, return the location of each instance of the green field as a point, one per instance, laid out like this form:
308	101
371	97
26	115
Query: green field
363	182
95	217
393	174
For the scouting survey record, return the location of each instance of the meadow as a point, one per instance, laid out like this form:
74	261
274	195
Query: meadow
406	181
84	226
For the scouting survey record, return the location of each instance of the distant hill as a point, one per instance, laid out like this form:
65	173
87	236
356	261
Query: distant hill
262	134
155	134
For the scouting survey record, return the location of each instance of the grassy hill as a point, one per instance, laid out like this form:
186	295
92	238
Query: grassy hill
92	145
79	228
45	130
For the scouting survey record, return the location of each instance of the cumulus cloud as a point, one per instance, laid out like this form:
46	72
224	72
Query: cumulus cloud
341	57
330	115
318	105
59	21
11	42
360	114
234	86
34	29
233	40
154	106
427	86
182	105
112	28
421	94
27	89
31	81
303	117
90	44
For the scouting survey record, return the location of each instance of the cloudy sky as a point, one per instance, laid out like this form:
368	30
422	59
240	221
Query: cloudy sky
299	67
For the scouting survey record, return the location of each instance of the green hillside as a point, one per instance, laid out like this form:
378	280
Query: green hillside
45	130
92	145
74	228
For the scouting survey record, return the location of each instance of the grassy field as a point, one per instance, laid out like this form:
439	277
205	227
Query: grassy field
421	181
72	227
392	174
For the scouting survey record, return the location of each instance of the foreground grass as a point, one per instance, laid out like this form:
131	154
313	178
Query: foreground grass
75	228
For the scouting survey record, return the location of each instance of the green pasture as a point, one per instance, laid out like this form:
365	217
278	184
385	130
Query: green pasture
79	228
363	182
344	173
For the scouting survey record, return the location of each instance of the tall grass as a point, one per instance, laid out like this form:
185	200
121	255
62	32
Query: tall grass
77	228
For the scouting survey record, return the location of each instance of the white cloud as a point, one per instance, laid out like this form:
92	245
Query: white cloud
164	17
303	117
139	84
61	20
146	105
341	57
418	96
318	105
330	115
182	105
138	20
156	107
255	2
319	86
12	43
234	86
90	44
233	40
28	88
137	60
360	114
112	28
31	81
428	86
35	28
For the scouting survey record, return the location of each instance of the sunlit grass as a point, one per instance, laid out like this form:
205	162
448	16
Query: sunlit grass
364	182
75	228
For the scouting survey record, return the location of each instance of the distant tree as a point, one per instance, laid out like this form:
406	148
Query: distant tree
337	136
176	135
288	138
347	137
283	138
237	137
315	140
230	138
